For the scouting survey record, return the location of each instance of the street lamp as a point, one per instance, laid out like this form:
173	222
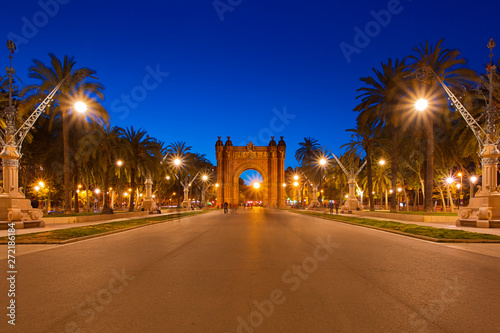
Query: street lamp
381	162
80	107
399	197
119	164
96	191
449	181
459	186
203	190
473	181
421	105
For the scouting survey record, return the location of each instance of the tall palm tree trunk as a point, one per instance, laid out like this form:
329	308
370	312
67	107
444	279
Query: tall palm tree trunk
105	190
132	193
429	167
76	209
370	181
394	169
66	166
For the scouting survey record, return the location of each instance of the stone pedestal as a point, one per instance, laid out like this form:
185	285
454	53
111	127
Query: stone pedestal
186	203
13	204
484	210
351	203
314	201
149	204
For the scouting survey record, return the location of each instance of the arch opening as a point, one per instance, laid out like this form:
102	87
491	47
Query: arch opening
251	188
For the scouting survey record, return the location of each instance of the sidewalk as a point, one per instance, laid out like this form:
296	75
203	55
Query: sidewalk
56	226
493	231
488	249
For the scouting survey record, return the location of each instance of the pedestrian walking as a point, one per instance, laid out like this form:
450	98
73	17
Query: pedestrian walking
330	205
34	202
337	208
225	207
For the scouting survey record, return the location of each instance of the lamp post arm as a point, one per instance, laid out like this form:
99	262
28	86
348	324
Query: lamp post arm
341	165
17	139
361	168
479	132
195	176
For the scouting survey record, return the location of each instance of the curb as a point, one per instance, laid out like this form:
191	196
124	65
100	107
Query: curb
432	239
77	239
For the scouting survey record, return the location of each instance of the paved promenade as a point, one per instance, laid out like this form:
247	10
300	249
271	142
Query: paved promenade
260	270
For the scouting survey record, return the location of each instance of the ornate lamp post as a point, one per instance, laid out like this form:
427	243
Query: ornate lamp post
351	203
483	210
13	204
203	190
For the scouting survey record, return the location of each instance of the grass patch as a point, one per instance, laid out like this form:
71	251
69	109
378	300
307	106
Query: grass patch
61	235
411	229
86	214
412	212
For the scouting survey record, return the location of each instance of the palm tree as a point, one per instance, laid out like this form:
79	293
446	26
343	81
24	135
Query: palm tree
101	146
448	66
363	140
178	150
307	151
141	154
380	106
49	76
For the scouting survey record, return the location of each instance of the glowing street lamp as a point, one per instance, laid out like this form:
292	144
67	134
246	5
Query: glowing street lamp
381	162
96	202
80	107
203	190
119	163
177	162
473	181
421	104
449	181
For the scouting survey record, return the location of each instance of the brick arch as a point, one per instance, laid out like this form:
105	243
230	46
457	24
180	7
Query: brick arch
269	161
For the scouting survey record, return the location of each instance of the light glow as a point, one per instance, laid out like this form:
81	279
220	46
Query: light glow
421	104
80	107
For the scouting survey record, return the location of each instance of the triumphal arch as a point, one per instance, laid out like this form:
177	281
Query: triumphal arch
269	161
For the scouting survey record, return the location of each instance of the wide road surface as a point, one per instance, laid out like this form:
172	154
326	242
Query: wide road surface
255	271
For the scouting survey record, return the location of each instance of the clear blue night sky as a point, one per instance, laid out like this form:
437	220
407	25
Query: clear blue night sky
232	77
